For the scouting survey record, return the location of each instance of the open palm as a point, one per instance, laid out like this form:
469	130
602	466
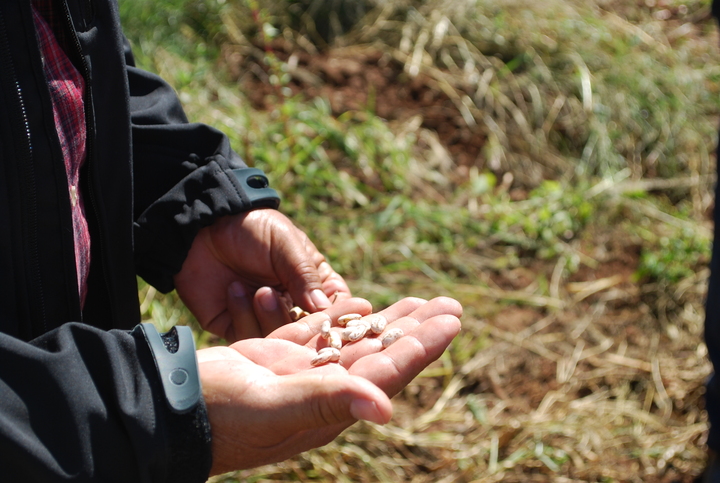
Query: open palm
266	402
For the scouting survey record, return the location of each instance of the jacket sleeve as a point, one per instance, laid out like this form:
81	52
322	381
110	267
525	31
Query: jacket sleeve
85	405
183	177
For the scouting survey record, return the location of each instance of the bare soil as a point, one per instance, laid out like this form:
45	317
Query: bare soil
628	346
363	79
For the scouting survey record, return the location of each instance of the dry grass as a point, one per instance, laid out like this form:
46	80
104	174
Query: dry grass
585	386
575	231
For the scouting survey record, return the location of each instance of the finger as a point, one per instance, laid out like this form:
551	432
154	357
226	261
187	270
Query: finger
273	418
333	285
424	311
294	262
393	368
393	313
308	328
270	310
286	300
402	308
408	323
337	296
308	401
349	306
237	321
439	305
242	323
303	270
302	331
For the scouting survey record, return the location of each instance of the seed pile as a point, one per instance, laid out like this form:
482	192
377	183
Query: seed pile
354	327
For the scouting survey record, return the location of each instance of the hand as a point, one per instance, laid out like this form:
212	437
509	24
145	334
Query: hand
241	272
267	403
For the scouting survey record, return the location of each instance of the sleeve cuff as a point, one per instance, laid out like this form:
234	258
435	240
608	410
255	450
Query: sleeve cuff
165	231
186	423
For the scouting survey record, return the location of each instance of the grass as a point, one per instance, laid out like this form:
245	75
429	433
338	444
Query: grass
576	233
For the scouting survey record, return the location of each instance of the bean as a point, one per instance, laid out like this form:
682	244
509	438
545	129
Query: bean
391	336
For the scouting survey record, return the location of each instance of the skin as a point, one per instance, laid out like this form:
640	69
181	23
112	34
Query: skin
253	267
266	402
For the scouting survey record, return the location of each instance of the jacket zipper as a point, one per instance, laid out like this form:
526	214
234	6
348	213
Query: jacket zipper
26	164
86	75
90	138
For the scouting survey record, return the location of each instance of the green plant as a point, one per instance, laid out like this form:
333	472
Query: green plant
672	257
595	124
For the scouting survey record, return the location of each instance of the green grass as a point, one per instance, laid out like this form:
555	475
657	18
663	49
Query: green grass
605	117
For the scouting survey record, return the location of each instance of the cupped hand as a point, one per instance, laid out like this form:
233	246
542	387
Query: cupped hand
266	402
242	272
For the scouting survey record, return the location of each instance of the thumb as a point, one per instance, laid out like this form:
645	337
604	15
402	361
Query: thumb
258	418
296	261
315	402
302	279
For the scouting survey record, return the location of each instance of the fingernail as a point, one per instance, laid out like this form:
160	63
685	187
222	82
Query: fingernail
237	289
268	301
320	299
366	410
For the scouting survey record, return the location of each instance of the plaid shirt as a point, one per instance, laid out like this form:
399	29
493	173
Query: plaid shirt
67	89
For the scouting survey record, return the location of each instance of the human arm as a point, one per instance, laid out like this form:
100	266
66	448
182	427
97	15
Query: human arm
195	222
82	404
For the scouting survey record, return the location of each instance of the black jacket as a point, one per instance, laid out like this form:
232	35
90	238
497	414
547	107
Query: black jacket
81	400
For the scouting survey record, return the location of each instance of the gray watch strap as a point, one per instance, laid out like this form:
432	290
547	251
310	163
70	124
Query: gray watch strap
256	187
178	370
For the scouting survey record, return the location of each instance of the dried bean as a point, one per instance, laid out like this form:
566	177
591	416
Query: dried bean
377	322
296	313
344	319
357	322
325	355
325	328
391	336
335	340
355	333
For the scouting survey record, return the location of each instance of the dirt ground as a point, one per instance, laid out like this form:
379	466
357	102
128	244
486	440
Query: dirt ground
618	345
359	79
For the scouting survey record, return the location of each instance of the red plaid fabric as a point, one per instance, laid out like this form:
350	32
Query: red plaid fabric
67	88
46	9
